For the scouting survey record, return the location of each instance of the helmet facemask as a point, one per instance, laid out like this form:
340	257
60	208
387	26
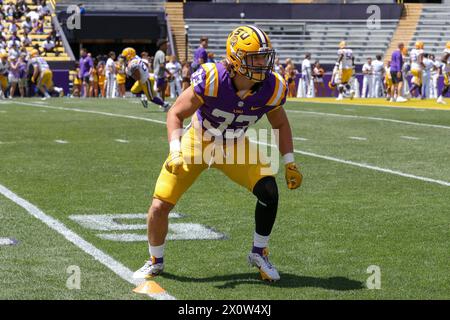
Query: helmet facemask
256	65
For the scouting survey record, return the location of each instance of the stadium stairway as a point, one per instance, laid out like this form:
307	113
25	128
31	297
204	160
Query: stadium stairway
406	28
175	15
433	28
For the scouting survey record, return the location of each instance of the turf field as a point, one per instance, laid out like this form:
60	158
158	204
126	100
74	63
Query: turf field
376	192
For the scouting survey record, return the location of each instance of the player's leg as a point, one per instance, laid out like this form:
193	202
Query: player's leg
147	87
445	88
3	86
168	190
257	176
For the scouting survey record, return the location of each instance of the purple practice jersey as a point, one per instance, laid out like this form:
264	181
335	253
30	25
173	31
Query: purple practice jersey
223	112
396	61
200	53
86	64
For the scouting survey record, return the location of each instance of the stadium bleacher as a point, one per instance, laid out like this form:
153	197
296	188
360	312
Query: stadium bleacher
37	39
107	5
433	27
294	38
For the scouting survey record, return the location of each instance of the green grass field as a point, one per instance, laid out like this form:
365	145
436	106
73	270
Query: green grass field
375	192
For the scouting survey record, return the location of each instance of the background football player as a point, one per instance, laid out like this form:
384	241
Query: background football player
223	101
446	72
138	70
416	56
345	64
4	66
42	76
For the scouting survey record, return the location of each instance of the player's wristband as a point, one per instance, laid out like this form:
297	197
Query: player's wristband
175	145
288	158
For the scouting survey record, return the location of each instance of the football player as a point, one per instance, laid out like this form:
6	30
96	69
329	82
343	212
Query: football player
223	101
4	66
416	56
345	63
446	72
42	75
137	68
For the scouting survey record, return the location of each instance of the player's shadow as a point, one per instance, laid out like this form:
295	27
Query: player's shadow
287	280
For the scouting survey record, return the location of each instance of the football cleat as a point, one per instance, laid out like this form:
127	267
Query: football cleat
166	106
149	270
441	100
401	99
266	269
144	101
352	94
340	97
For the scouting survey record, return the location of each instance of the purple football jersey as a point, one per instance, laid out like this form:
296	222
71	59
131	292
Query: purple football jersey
223	112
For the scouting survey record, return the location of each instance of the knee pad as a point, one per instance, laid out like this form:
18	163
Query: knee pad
266	191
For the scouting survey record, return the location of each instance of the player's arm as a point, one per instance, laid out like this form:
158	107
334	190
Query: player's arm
35	73
445	58
184	107
280	123
420	60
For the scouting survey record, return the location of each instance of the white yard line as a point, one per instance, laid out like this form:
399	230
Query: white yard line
62	141
91	111
370	118
358	138
299	138
7	242
109	262
122	141
366	166
362	165
409	138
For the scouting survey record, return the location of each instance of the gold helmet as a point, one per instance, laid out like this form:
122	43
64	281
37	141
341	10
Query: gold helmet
342	44
3	54
419	44
447	45
250	52
34	53
129	53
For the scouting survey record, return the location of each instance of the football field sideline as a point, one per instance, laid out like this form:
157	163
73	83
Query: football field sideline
306	153
105	259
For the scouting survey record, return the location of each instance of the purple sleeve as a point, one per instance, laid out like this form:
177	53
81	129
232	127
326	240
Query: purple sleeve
198	82
204	55
286	89
91	63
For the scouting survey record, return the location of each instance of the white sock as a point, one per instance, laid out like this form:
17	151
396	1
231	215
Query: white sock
156	251
260	241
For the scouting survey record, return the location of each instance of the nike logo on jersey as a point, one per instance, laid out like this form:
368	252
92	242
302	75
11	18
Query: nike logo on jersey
255	108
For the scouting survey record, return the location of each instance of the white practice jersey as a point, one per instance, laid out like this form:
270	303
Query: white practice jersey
110	67
4	66
378	67
447	63
40	63
367	68
138	64
306	68
346	62
429	64
175	69
414	56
